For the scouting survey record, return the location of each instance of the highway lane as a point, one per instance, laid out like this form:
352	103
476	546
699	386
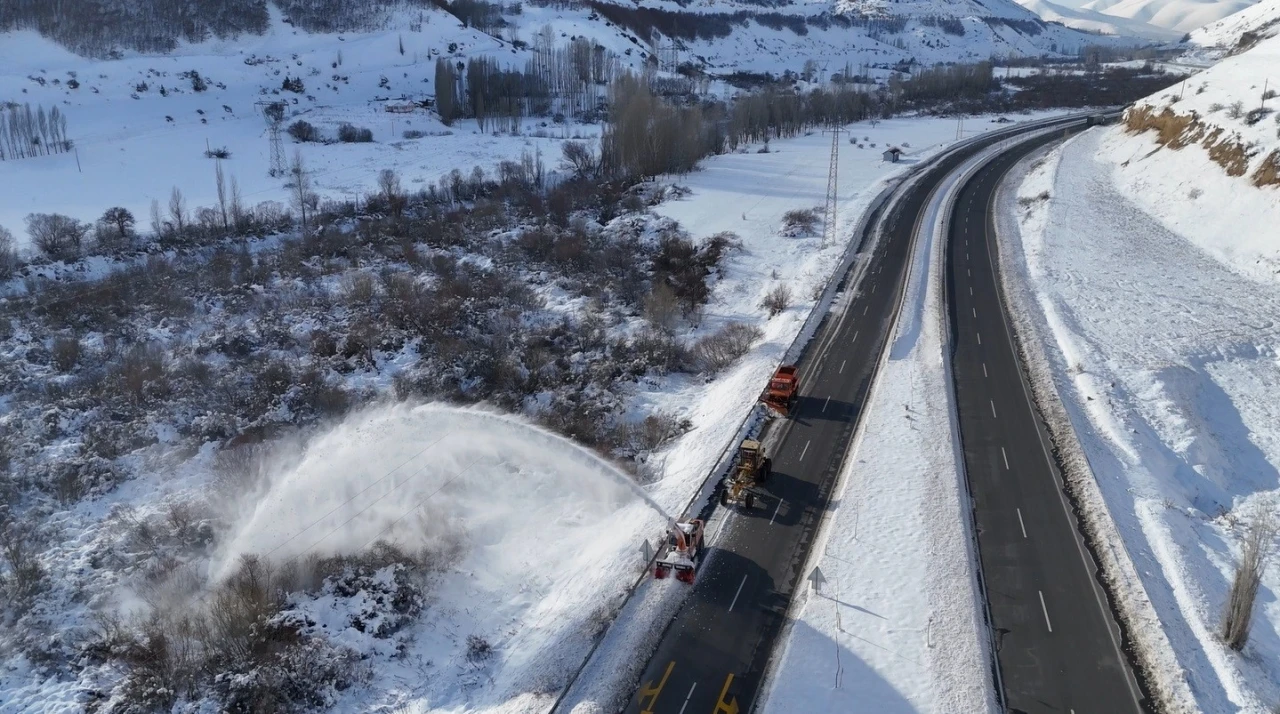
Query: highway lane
714	651
1058	644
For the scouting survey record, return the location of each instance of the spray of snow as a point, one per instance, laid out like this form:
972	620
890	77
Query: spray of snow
410	474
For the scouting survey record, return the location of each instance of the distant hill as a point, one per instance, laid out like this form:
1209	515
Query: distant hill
753	36
1092	20
1179	15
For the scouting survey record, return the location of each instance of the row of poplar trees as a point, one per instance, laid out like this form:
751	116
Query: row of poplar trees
27	132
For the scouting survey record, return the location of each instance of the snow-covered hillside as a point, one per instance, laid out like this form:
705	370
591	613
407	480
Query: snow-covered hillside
1179	15
1092	20
1214	152
1257	22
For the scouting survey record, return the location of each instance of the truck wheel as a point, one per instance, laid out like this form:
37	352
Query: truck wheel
750	501
724	497
767	470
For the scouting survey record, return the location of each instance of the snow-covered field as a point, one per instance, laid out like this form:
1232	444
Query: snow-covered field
1157	313
133	147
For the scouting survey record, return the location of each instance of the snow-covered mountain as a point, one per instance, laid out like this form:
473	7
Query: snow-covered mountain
1179	15
1250	25
1093	20
725	36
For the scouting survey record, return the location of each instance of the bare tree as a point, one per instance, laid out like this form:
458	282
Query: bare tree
159	226
238	217
389	185
304	200
113	229
579	158
446	91
8	253
178	210
222	194
1259	543
57	236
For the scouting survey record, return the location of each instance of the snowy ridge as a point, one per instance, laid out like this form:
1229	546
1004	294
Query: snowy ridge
1092	20
1179	15
1262	19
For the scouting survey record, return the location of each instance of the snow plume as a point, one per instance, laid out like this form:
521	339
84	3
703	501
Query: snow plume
416	475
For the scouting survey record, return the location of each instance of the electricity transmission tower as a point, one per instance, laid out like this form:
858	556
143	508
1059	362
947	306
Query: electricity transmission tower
273	114
829	217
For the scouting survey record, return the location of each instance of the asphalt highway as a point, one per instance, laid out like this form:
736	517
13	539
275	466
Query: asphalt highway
715	649
1057	642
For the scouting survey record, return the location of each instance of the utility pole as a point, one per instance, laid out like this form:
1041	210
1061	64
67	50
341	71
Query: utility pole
829	219
273	114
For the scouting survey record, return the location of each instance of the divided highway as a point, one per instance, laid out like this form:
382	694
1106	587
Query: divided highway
714	651
1058	645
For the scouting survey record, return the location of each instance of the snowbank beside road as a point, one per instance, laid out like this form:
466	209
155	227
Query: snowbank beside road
1165	358
897	625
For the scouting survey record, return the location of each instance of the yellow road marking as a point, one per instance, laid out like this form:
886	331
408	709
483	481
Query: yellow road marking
729	707
650	692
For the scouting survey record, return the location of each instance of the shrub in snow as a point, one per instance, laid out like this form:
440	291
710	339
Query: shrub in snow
220	152
242	646
350	134
1258	547
717	351
478	648
65	353
1256	115
22	578
799	223
303	131
777	300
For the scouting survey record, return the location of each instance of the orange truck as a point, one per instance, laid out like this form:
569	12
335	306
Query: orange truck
783	389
